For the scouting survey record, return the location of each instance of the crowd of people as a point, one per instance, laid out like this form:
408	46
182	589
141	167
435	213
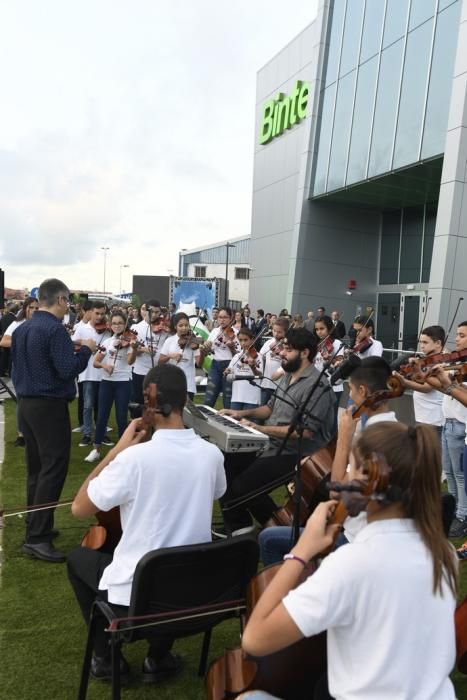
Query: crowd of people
283	376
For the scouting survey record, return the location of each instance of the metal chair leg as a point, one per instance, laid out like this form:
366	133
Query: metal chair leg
204	653
115	651
83	686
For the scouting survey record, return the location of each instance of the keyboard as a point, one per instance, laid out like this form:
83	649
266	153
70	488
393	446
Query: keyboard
224	431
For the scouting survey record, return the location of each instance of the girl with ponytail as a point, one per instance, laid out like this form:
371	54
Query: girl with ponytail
388	598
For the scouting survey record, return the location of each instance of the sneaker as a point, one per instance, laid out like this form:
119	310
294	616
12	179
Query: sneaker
243	531
158	671
79	429
219	533
93	456
106	441
109	429
458	528
85	441
19	442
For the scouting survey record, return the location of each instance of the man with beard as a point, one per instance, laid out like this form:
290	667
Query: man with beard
245	472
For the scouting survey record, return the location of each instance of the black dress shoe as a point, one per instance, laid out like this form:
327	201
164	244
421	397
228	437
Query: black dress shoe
101	668
45	551
158	671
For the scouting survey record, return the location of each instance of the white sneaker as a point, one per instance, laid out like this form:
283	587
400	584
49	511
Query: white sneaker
79	429
109	429
243	531
93	456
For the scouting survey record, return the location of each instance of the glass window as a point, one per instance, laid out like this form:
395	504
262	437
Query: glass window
420	11
428	240
385	112
390	244
335	41
396	21
242	273
200	271
361	128
445	3
411	245
412	101
439	92
352	34
341	132
372	28
324	143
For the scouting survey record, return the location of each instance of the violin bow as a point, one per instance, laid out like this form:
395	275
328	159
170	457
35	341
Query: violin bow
452	322
245	350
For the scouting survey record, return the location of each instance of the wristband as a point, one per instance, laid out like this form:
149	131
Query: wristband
294	556
449	389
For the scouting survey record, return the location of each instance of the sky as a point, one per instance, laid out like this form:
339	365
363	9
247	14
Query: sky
128	126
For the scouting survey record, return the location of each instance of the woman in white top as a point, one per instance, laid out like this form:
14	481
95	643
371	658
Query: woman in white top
115	356
243	366
178	351
30	305
381	597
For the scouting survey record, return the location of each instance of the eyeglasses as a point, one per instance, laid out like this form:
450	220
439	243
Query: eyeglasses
66	299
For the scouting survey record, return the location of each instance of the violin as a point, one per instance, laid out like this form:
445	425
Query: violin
102	327
362	346
106	533
277	348
128	337
190	339
394	389
250	353
450	361
293	672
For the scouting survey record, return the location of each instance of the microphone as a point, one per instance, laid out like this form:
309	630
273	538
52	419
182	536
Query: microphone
249	379
345	369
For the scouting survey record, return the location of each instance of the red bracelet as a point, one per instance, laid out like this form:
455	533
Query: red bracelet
294	556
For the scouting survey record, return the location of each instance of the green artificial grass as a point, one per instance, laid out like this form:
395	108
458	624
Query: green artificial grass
42	634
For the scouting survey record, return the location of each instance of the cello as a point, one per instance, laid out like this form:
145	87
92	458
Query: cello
293	672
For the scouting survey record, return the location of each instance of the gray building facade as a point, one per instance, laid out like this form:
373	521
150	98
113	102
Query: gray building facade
363	202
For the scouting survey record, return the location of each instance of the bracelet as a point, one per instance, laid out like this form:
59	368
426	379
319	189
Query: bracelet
449	389
294	556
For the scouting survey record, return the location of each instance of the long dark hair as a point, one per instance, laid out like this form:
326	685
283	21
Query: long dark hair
414	456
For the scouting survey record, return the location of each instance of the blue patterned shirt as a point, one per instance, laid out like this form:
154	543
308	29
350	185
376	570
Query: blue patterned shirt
43	358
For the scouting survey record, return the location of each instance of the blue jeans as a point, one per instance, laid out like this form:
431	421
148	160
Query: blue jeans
90	393
240	406
217	382
274	542
110	392
453	444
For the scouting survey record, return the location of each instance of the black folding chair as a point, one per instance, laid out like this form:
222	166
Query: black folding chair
177	592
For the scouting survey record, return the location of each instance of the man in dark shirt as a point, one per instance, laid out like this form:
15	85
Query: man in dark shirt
45	367
245	472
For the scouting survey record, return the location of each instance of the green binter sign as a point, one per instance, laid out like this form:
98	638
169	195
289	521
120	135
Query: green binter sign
283	112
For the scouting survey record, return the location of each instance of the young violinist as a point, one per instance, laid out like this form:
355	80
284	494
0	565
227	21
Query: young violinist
114	358
427	402
328	346
165	488
381	597
222	344
245	363
272	361
151	337
365	344
454	436
182	350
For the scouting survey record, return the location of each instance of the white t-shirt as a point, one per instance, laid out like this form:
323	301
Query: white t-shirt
337	347
118	358
220	351
389	637
12	327
243	391
352	526
453	409
375	349
428	408
165	489
272	363
155	341
87	332
187	362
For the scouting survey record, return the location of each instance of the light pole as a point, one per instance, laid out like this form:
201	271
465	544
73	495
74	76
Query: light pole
120	286
226	294
105	249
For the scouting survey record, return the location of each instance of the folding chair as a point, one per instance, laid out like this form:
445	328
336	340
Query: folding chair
177	592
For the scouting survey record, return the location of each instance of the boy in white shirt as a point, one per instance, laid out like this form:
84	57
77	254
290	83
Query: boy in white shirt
243	365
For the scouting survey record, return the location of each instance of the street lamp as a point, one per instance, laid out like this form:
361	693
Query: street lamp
105	249
226	294
120	286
